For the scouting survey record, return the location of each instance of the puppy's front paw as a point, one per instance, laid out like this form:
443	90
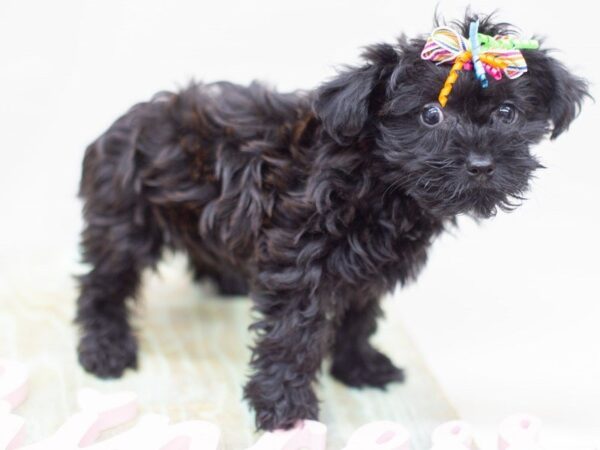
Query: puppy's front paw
365	368
279	405
107	353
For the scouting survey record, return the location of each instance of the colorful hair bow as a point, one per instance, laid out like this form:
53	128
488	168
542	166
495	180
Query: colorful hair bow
485	55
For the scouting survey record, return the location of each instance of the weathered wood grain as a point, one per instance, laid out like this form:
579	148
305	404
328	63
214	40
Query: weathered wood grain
193	363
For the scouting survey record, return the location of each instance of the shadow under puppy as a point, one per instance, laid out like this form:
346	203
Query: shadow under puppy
314	203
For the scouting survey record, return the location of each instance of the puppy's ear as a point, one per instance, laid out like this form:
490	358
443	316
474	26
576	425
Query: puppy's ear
345	103
562	93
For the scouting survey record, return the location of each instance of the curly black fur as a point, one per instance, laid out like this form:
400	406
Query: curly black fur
314	203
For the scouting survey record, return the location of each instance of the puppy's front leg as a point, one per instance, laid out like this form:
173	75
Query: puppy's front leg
293	337
355	362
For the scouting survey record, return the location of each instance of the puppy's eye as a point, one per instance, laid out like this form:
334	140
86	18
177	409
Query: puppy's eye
432	115
506	113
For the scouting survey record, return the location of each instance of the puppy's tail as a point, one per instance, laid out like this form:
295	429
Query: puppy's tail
112	162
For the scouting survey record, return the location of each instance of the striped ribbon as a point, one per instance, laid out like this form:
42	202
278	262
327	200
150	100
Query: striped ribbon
484	54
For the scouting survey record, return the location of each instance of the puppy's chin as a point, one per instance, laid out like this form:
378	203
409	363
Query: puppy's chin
485	204
478	203
445	194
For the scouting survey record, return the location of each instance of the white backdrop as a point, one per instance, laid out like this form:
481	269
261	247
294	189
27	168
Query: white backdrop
506	313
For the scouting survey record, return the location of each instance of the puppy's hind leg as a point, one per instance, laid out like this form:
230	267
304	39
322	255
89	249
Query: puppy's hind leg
119	240
229	282
107	345
355	362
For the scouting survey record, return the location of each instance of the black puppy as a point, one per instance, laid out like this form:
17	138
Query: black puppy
314	203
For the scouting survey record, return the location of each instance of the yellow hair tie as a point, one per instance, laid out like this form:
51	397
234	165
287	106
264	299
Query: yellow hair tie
460	61
494	61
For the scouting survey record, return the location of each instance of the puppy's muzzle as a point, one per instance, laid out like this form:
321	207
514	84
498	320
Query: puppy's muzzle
480	167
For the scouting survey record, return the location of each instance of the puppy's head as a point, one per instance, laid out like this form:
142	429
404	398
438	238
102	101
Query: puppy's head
473	154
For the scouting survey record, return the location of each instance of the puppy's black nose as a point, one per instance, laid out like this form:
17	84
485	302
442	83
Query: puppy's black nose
480	166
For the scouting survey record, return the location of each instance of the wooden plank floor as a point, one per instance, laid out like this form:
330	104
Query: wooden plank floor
193	363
